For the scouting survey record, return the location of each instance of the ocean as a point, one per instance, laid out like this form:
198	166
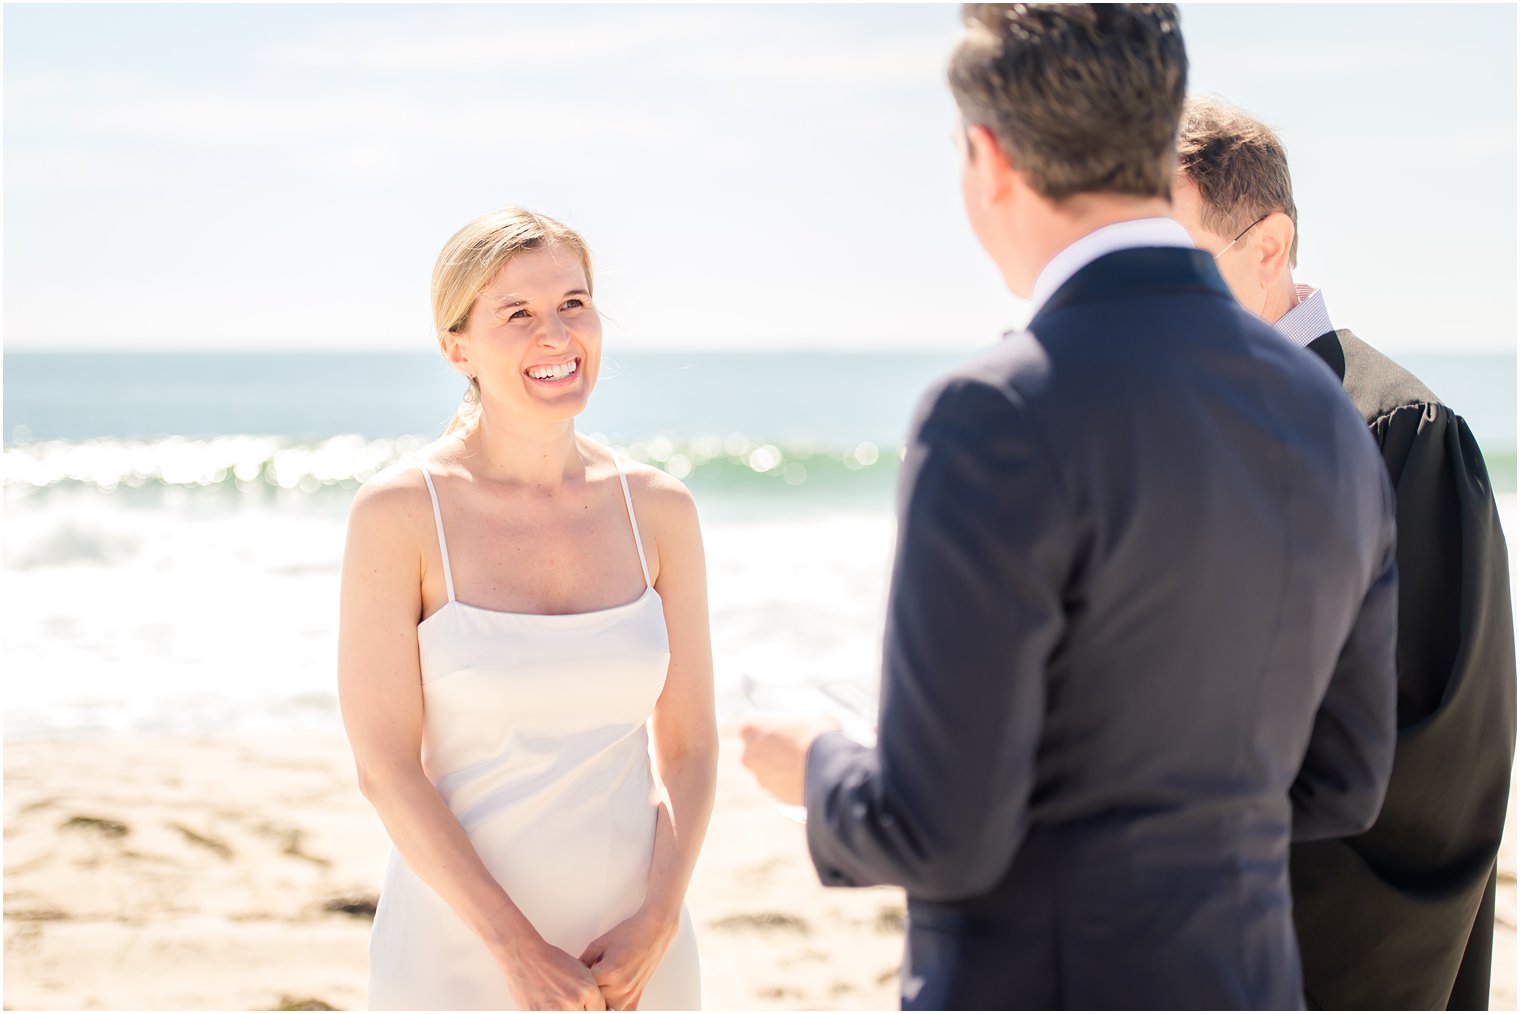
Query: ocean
174	522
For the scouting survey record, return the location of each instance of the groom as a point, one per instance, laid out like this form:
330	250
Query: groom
1141	623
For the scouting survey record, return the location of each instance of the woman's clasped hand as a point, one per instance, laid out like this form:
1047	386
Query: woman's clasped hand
609	975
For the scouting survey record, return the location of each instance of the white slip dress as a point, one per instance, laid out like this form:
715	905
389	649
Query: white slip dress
535	735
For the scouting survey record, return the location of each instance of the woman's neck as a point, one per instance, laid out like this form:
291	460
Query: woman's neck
542	456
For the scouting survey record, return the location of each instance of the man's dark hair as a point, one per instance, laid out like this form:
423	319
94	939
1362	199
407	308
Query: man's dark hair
1082	98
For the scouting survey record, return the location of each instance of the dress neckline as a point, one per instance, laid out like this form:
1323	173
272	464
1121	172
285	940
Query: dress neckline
590	614
448	575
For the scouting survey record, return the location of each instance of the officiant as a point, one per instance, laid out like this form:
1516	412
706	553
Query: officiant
1402	916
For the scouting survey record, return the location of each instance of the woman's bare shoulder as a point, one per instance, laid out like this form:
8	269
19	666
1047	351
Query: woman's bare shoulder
661	497
393	498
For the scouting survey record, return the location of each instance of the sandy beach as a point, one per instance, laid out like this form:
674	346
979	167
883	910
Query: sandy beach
241	874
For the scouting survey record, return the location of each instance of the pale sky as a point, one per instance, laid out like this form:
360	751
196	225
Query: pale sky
271	177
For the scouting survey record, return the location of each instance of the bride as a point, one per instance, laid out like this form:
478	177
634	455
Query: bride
525	668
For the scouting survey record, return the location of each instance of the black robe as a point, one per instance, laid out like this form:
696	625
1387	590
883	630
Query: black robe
1402	917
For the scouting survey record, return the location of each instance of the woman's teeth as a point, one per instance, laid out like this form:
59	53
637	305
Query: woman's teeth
559	372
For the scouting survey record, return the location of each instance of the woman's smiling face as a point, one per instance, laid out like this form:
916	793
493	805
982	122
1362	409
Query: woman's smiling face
533	339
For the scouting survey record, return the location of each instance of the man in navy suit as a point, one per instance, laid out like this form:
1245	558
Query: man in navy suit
1140	633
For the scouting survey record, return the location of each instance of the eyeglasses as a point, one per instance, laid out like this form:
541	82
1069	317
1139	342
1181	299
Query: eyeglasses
1247	229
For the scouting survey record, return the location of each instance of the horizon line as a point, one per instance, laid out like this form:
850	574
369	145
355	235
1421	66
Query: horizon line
789	349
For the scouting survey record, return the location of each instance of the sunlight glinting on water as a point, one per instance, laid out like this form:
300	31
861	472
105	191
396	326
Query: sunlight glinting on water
253	462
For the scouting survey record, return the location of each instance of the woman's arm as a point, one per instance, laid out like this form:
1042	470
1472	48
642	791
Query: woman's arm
684	728
685	737
380	691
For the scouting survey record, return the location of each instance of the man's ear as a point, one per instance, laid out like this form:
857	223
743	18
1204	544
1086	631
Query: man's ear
1273	247
988	166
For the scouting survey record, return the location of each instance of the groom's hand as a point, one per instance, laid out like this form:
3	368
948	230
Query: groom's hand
776	751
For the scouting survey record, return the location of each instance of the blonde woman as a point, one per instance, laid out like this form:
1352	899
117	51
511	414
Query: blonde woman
525	668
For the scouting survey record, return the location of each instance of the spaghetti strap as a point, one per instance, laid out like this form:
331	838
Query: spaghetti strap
632	520
443	546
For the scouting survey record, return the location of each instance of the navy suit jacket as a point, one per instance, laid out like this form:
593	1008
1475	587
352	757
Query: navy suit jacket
1140	635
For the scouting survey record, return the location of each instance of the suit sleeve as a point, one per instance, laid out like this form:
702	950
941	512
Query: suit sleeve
974	612
1344	774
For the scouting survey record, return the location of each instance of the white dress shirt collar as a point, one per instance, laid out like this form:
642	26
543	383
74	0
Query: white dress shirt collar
1140	232
1306	321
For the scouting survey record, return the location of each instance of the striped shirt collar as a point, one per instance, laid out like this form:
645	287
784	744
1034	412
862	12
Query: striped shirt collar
1140	232
1306	321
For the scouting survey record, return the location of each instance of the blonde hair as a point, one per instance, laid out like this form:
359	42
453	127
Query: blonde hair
472	257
